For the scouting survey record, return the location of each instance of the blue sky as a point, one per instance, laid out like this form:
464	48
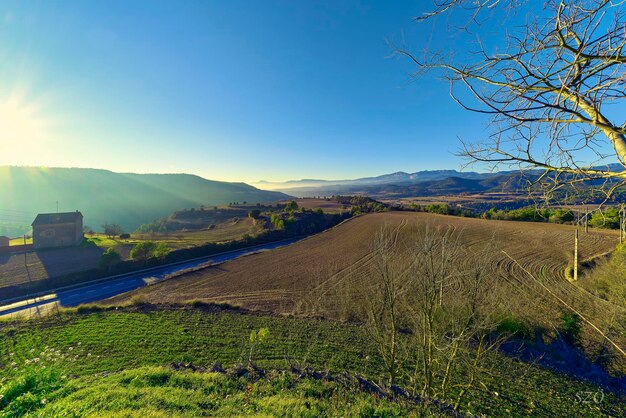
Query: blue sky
229	90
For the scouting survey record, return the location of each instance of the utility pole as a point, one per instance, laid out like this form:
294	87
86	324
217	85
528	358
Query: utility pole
25	261
622	223
57	206
577	219
576	255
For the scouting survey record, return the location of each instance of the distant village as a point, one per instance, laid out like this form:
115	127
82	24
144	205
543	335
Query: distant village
50	230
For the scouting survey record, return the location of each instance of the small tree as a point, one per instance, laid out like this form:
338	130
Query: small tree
112	230
108	259
293	205
257	337
608	219
143	251
161	250
254	213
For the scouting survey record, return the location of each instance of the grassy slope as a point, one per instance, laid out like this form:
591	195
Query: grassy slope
162	392
86	344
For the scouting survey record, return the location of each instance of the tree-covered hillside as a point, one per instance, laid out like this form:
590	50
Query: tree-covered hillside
104	196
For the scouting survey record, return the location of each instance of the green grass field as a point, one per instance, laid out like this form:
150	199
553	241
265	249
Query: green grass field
104	352
20	241
226	231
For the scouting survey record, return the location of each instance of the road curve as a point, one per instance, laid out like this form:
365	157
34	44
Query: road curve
120	284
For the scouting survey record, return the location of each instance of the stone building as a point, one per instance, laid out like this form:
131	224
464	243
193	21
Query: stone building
52	230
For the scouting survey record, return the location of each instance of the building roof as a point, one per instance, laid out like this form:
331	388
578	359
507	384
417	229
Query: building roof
57	218
4	237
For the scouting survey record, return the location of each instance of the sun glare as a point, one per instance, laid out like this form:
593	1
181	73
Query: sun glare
19	122
24	130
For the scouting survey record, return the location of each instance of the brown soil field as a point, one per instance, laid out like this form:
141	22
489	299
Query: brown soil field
48	263
326	205
322	274
224	231
460	198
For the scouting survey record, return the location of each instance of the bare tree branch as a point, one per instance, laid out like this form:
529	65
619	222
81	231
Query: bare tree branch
551	93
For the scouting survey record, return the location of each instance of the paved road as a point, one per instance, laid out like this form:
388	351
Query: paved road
108	288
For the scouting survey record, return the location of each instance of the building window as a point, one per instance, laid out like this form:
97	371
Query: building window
47	233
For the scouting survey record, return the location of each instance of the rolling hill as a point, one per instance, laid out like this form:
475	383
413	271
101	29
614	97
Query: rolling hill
104	196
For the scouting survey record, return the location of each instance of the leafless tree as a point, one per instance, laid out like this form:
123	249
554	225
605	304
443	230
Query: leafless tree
385	299
552	90
429	310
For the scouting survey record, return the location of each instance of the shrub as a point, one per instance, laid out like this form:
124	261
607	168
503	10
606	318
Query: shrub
570	327
513	326
109	258
161	250
254	213
124	236
608	219
143	250
293	205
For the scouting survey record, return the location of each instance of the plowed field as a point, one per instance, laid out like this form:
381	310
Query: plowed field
320	274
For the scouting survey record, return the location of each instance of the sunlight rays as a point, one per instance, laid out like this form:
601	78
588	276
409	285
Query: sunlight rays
24	126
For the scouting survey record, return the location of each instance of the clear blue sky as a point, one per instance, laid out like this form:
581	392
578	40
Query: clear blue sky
230	90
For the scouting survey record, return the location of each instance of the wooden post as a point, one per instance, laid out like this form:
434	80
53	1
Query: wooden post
586	219
622	223
577	218
576	256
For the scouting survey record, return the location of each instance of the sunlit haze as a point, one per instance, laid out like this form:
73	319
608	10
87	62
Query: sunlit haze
237	91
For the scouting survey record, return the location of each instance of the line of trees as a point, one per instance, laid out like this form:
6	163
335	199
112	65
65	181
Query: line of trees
608	218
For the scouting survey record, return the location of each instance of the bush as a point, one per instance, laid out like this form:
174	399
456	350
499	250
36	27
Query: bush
291	206
513	326
570	327
608	219
254	213
109	258
562	216
124	236
161	250
143	249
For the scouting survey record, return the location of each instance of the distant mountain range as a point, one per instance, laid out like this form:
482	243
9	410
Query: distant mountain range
420	183
104	196
398	177
403	184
